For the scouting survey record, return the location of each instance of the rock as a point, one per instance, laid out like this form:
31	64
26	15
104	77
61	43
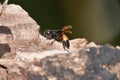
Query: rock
27	55
16	22
3	72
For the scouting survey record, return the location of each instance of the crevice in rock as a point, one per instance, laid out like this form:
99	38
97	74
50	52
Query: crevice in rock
5	30
4	48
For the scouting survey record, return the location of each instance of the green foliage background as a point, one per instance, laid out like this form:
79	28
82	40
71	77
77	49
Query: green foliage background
95	20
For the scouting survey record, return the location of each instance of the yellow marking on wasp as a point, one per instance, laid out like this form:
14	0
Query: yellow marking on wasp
64	37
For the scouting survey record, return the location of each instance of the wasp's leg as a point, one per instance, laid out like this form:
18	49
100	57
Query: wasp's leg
66	44
52	42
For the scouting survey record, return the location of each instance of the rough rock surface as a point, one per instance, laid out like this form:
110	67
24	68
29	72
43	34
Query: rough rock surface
27	55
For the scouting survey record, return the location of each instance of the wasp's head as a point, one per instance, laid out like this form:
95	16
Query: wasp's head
48	34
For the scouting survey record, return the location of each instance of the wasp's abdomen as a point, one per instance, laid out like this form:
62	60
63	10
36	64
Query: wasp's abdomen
65	42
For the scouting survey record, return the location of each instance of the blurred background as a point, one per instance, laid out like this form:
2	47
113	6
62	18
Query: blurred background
95	20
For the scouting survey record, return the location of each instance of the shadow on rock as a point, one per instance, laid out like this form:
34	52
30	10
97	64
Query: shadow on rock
5	30
4	48
99	62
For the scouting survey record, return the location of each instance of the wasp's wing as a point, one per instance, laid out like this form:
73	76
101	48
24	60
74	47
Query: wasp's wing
65	29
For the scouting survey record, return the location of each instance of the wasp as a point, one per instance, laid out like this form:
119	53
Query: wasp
59	35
